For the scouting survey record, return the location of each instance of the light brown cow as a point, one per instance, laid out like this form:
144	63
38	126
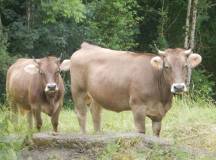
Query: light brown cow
118	81
36	86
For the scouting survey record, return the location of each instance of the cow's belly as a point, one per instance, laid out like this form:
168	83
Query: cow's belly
109	86
111	102
117	108
19	97
113	105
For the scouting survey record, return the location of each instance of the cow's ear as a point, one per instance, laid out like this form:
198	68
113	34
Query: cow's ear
157	62
65	65
194	59
31	69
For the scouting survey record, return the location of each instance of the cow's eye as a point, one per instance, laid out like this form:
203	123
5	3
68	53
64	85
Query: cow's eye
58	71
166	66
185	66
41	72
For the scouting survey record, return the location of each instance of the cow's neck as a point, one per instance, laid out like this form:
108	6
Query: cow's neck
49	98
164	88
48	103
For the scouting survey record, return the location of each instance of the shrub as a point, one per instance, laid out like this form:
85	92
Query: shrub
9	144
202	85
5	61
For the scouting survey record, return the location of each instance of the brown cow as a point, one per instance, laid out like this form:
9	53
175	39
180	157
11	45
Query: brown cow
36	85
118	81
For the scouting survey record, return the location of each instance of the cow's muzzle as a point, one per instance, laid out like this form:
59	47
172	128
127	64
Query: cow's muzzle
51	87
178	88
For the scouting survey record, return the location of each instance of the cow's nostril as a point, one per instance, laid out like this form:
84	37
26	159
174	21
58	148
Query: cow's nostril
179	87
51	86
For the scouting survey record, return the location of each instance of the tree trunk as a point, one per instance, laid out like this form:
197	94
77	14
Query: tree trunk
1	27
2	37
187	26
190	26
193	25
190	30
28	13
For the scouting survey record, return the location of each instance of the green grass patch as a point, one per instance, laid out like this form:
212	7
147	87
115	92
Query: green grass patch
120	151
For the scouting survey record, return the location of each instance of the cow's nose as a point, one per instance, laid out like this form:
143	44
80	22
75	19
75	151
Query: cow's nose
178	87
51	86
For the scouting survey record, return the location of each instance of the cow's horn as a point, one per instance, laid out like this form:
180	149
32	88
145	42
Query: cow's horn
35	60
161	52
188	51
60	57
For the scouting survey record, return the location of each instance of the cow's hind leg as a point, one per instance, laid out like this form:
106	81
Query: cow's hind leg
139	118
156	127
29	118
81	110
96	115
14	111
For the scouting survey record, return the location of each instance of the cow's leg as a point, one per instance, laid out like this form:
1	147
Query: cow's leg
14	112
29	118
96	115
139	118
55	118
81	110
36	110
156	127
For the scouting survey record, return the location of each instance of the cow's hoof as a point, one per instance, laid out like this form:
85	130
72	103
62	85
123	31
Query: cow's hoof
142	132
54	133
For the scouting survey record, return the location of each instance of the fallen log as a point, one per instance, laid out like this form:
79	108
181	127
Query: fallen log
74	146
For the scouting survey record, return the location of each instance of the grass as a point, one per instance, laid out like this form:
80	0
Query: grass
118	152
188	123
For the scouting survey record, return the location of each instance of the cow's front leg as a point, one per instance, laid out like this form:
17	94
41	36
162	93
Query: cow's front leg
55	118
156	127
36	110
96	115
139	118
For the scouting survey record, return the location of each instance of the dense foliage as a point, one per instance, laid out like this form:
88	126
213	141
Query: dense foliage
35	28
112	24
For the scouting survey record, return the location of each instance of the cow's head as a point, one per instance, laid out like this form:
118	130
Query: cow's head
174	64
48	69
